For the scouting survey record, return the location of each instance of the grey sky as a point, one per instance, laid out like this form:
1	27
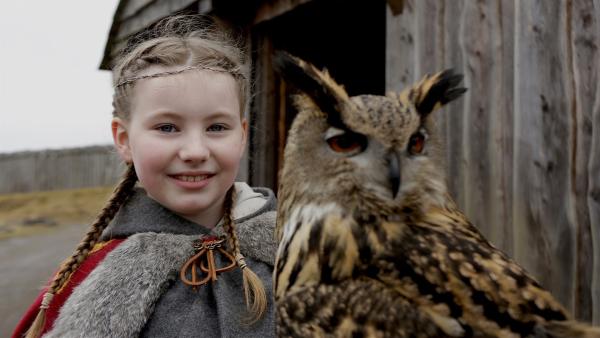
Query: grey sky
52	94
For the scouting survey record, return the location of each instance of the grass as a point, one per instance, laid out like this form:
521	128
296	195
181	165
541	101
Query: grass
24	214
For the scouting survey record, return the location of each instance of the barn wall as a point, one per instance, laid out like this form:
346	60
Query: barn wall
523	145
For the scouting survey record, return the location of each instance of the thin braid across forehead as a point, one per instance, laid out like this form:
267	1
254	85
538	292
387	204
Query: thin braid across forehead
174	72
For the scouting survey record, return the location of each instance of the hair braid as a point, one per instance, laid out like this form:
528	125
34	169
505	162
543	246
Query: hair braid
254	290
121	193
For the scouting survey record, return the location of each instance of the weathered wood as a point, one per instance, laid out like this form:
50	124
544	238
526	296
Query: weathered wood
582	57
427	41
593	193
148	15
205	6
400	38
134	7
118	47
487	119
544	233
396	6
268	10
451	118
263	117
478	55
501	145
59	169
522	145
133	16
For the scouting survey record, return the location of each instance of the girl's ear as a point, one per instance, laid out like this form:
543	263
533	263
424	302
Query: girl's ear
121	139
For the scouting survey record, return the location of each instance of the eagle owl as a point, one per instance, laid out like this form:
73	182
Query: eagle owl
370	242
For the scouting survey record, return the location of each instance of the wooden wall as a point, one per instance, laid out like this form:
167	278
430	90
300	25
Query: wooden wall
59	169
523	145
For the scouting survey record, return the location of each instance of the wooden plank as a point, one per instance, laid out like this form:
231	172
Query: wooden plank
59	169
124	28
439	56
478	57
106	62
116	51
544	238
205	6
593	194
426	41
263	136
149	15
501	128
583	56
134	7
451	119
487	119
400	49
268	10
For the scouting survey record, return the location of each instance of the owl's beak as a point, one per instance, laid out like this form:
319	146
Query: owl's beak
394	176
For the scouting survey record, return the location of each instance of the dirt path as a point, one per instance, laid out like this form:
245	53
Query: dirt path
26	264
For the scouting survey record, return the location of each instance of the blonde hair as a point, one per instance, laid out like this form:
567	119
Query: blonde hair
121	193
181	41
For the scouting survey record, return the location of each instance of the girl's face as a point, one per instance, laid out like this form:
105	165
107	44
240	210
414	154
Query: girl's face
185	137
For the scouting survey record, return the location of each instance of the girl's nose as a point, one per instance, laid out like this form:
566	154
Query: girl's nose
194	149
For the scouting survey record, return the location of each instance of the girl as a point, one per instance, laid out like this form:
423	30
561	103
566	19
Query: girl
180	255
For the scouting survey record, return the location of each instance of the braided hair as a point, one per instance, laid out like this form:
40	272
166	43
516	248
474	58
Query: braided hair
254	290
122	192
182	41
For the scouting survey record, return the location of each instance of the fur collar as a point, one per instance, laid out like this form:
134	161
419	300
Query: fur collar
254	215
120	294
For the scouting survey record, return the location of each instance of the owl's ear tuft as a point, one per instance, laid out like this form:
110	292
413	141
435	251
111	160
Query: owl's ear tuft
433	92
329	96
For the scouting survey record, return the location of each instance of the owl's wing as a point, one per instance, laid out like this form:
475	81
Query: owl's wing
450	269
360	307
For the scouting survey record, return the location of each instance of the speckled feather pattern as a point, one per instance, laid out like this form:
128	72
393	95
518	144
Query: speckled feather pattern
356	260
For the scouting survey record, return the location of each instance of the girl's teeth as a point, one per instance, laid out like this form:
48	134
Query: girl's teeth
191	178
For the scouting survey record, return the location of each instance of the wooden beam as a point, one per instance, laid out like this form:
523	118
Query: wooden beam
268	10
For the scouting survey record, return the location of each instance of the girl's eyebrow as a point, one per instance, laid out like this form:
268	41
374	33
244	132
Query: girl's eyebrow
179	116
221	114
166	114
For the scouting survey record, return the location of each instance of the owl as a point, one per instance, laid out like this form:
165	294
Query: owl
370	242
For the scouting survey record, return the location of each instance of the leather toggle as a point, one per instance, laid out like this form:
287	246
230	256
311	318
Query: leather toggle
204	262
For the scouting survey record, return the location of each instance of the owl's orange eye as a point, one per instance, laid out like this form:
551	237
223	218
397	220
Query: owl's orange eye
416	143
347	143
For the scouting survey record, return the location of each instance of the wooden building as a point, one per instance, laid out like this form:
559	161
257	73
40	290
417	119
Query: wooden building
523	145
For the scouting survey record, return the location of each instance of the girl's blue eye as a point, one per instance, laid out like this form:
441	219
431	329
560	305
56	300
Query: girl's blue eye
217	127
166	128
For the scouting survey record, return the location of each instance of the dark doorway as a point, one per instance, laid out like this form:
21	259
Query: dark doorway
346	37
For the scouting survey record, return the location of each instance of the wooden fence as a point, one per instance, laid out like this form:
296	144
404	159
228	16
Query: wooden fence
523	145
59	169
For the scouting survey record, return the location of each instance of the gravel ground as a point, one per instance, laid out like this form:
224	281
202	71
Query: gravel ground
26	264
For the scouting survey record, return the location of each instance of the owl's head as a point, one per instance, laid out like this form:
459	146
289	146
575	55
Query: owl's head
363	151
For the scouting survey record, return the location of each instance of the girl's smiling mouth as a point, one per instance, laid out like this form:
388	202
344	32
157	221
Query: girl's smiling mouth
192	181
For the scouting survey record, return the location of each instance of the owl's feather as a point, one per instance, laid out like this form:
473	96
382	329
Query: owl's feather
361	256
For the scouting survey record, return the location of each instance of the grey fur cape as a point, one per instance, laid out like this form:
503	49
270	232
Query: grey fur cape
136	291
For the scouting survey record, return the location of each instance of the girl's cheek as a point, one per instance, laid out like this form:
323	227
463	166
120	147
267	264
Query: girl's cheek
228	150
